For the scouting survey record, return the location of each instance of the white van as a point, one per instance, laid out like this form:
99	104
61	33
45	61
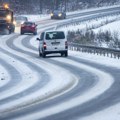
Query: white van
53	42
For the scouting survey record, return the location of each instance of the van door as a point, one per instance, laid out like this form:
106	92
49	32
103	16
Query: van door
41	41
55	40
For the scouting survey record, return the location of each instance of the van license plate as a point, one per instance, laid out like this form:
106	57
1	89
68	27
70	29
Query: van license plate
55	43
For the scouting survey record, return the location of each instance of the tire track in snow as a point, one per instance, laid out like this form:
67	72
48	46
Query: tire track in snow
15	78
28	50
33	88
30	53
25	76
28	46
5	75
98	103
26	55
12	82
75	91
76	100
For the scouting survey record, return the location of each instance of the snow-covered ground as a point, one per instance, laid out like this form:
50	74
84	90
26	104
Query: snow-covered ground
105	82
110	23
37	17
106	23
113	27
111	113
4	76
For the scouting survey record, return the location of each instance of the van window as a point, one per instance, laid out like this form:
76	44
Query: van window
55	35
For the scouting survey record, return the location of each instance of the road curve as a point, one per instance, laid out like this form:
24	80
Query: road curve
52	88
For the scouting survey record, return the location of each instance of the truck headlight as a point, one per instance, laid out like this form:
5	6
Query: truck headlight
8	17
51	14
22	22
14	22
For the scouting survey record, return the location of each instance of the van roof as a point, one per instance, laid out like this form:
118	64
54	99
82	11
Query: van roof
54	31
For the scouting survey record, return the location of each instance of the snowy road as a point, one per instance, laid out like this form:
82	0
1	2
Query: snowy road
79	87
54	88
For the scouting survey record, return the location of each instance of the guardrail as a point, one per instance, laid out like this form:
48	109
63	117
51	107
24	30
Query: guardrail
92	49
95	50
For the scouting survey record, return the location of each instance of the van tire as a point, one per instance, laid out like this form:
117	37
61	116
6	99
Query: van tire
62	54
40	54
66	54
44	55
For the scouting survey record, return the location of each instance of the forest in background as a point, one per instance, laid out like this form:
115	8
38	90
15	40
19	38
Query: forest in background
45	6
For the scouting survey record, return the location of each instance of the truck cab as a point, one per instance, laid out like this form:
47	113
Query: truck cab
6	20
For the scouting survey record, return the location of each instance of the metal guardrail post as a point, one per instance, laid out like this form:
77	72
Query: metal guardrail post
95	50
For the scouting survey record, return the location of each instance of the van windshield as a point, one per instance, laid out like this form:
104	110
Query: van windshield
55	35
